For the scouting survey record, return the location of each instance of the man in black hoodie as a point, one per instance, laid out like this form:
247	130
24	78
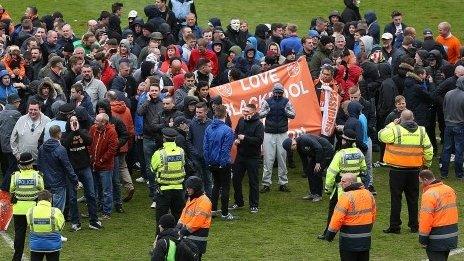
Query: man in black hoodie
351	12
249	135
168	233
104	107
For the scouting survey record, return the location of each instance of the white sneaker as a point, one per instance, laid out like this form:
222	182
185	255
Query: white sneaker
140	180
79	185
452	158
317	198
153	205
64	239
228	217
81	199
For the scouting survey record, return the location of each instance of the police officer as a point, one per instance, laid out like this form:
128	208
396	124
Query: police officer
354	216
315	153
438	217
45	223
25	184
168	165
407	149
347	160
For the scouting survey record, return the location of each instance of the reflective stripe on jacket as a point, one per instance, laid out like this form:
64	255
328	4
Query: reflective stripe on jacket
349	160
405	149
438	218
45	223
168	166
354	216
25	185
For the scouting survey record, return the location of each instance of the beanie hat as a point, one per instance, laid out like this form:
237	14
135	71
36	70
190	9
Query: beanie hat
349	135
167	221
194	183
325	39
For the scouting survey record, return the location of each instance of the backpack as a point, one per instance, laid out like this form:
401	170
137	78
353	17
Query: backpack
185	250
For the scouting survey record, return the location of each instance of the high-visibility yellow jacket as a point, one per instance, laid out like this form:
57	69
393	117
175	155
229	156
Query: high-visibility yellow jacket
406	148
168	166
349	160
25	185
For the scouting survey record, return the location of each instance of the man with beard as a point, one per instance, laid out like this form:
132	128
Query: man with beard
92	86
181	93
36	63
325	47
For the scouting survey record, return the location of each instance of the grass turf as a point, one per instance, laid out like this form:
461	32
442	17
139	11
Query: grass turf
286	226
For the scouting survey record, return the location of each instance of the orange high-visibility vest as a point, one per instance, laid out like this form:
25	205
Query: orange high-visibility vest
197	214
407	150
438	218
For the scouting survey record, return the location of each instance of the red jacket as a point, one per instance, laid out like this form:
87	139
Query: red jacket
195	55
120	111
104	147
108	74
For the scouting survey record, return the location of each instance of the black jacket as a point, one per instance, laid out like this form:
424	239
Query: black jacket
150	112
391	28
353	123
418	100
369	111
444	87
395	114
76	143
351	12
253	129
315	147
162	244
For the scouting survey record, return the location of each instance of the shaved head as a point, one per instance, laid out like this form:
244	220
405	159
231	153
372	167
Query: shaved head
406	116
459	71
348	179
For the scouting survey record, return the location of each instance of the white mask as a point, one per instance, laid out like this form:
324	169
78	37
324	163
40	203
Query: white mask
235	24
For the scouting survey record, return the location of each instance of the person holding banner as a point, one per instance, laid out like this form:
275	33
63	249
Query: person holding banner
277	110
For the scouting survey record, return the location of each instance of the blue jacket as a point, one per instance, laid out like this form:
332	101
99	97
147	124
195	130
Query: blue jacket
87	105
217	144
54	163
363	120
196	135
6	91
252	40
138	120
291	43
353	123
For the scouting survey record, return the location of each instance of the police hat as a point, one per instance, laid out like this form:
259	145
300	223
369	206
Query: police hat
169	133
179	120
25	159
349	135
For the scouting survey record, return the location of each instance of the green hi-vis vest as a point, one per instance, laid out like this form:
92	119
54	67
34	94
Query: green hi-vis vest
25	185
171	172
171	251
42	222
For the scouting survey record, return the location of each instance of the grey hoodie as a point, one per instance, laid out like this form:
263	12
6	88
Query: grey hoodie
453	105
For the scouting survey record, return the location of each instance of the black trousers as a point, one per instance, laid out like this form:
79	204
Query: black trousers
314	178
169	200
39	256
20	227
221	182
437	255
332	203
354	256
249	166
407	181
9	165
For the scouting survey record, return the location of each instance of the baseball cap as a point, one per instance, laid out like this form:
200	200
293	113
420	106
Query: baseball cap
387	36
132	14
428	32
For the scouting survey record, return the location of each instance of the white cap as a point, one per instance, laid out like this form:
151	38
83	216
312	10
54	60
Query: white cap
132	14
387	36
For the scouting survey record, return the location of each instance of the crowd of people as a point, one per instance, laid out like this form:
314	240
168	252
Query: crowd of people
89	111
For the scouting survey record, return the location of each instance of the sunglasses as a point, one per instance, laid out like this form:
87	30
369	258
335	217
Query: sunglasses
32	127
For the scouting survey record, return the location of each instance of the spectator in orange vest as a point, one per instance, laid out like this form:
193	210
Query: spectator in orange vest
449	41
438	217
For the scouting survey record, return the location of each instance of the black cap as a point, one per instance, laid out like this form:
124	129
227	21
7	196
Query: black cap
349	135
167	221
194	183
13	98
179	120
169	133
25	158
66	108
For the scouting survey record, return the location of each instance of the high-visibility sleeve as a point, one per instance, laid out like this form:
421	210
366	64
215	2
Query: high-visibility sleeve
387	134
339	214
428	150
332	171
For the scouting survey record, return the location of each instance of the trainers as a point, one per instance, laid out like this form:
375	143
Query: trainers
308	197
254	210
265	189
64	239
140	180
75	227
105	217
235	206
153	205
81	199
372	190
228	217
317	198
129	195
284	188
96	225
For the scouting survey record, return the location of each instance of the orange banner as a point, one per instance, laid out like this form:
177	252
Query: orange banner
298	86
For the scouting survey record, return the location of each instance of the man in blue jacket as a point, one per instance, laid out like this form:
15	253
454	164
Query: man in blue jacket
217	144
54	163
6	86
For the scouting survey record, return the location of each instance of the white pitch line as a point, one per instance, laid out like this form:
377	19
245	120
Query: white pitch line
453	252
9	241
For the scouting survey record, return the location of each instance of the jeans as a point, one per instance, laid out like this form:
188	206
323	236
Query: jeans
250	166
104	180
20	226
149	148
9	165
116	181
141	157
59	197
85	177
221	183
407	181
205	175
454	138
71	193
